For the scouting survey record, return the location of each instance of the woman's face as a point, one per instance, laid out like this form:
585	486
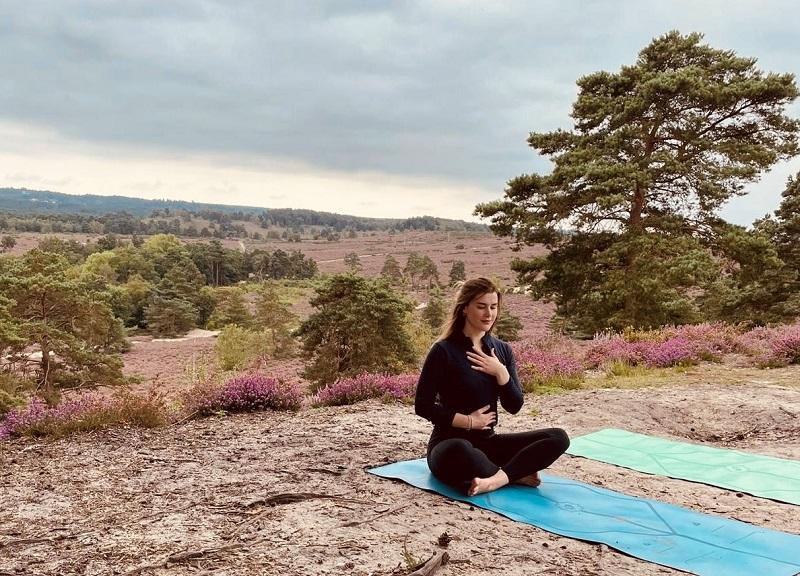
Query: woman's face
481	312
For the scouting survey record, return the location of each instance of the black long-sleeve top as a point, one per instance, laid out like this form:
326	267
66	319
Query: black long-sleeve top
449	384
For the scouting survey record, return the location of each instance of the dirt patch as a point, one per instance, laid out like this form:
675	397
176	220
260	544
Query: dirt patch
204	496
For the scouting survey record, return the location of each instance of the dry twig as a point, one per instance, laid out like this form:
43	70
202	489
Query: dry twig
437	560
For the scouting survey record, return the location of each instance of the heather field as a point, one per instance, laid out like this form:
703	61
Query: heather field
193	470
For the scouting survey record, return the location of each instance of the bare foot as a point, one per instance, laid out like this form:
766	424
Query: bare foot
481	485
530	480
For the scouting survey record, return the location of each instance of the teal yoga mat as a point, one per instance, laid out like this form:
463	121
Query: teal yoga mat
765	476
647	529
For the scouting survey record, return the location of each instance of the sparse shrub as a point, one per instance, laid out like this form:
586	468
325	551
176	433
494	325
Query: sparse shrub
84	413
391	270
353	262
365	386
238	347
243	393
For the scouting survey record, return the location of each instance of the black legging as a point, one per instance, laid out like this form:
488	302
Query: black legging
456	461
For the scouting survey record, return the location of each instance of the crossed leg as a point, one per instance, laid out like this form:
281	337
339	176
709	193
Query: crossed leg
490	463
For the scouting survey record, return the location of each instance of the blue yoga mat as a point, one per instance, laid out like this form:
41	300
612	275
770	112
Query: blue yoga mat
647	529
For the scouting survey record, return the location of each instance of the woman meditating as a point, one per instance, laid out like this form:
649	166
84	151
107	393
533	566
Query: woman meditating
467	370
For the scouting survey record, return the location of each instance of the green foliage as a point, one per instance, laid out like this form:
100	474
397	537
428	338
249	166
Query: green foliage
13	390
129	261
457	272
507	326
280	264
353	262
421	271
555	384
237	347
67	317
435	312
170	317
101	264
107	242
173	307
219	265
9	326
360	325
756	287
7	242
391	271
231	308
628	212
164	251
74	252
136	296
275	319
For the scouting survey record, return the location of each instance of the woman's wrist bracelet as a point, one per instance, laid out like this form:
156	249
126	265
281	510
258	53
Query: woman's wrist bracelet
469	425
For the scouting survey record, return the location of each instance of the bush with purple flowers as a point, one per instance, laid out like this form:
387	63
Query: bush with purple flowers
86	412
651	353
552	362
772	347
243	393
365	386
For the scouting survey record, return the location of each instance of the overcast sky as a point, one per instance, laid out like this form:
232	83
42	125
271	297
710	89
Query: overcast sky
365	107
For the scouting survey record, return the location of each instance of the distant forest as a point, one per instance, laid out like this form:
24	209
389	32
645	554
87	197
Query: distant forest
23	210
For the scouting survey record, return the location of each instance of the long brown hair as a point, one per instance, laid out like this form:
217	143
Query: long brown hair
471	289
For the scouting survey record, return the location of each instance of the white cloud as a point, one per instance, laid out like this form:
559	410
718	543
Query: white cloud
82	168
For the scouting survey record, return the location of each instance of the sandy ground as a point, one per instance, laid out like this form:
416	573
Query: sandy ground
203	497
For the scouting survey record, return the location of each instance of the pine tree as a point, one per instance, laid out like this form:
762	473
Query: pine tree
458	272
435	312
353	262
359	325
275	318
507	326
231	308
67	317
391	271
629	211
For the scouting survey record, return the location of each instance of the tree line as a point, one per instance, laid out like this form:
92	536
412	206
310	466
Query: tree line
70	303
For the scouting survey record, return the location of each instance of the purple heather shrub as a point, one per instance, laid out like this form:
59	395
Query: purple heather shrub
608	348
243	393
710	340
86	412
668	346
786	341
551	361
772	347
365	386
671	352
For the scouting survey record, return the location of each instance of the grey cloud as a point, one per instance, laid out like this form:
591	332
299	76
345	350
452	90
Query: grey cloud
444	89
